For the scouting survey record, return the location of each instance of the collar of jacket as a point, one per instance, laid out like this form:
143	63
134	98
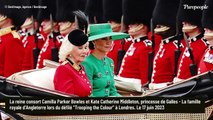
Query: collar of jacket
74	65
169	39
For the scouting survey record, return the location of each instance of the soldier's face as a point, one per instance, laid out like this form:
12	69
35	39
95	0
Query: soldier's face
46	24
135	29
66	27
209	35
79	53
28	24
116	27
103	44
188	28
2	20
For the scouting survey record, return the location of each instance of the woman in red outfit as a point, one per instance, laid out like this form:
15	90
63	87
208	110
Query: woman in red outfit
70	76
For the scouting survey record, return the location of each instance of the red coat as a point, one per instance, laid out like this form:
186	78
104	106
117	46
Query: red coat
22	34
113	53
11	52
29	45
164	62
69	80
198	48
206	62
157	39
135	62
46	51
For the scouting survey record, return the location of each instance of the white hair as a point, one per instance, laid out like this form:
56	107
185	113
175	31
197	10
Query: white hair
65	49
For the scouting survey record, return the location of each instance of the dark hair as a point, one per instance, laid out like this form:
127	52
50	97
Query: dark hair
91	45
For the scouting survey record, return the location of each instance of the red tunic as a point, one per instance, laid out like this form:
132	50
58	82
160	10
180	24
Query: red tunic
157	39
69	80
22	34
29	45
135	62
11	53
113	53
206	62
164	62
198	47
46	51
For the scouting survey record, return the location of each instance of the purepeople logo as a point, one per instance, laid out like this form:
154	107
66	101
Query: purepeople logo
189	7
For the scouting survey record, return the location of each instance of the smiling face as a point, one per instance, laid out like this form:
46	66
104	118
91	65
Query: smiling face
103	44
79	53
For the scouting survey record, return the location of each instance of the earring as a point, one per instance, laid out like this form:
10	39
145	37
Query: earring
93	44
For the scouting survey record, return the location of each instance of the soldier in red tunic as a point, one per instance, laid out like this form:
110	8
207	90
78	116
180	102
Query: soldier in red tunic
50	28
206	62
134	67
192	28
70	76
32	41
66	23
164	17
112	12
11	47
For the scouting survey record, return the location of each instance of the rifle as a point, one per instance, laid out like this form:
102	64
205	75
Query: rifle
151	54
121	52
36	50
178	51
193	67
54	49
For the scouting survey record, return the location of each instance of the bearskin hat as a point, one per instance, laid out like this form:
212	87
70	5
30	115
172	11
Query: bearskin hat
138	11
207	16
94	9
34	10
65	10
14	10
44	13
112	10
82	5
165	12
192	16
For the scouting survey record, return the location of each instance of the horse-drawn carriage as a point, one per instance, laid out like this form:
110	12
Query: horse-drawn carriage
39	83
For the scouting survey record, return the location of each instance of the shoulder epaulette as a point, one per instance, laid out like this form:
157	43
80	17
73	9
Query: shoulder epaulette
5	31
147	42
15	34
40	36
22	33
206	42
60	38
175	42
